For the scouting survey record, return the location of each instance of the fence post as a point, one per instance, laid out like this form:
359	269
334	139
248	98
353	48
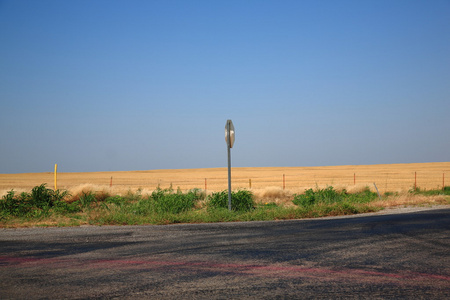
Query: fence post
56	168
284	182
205	185
250	183
354	178
110	182
415	181
443	181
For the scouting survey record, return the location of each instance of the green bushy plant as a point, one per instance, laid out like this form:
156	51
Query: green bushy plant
330	196
15	205
241	200
218	199
311	197
41	199
364	196
166	201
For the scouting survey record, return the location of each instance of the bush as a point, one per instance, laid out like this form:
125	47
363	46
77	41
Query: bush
311	197
166	201
40	198
331	196
364	196
12	204
241	200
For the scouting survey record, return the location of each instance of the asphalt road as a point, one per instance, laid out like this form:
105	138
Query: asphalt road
377	256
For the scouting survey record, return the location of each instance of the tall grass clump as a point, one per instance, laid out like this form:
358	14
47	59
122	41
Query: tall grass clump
329	196
39	201
418	191
241	200
168	201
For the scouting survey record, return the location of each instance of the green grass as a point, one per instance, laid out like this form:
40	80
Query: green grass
444	191
46	207
330	196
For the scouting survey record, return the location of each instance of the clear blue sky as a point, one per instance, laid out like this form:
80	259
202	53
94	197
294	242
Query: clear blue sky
142	85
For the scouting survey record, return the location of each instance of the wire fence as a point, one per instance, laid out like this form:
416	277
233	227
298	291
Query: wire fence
298	182
385	181
387	178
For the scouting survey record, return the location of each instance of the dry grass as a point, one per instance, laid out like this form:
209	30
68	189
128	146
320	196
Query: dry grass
266	183
408	199
273	194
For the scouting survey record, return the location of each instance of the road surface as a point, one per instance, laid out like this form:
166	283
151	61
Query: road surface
374	256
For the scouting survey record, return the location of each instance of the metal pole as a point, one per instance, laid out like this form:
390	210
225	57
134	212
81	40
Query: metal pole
377	190
229	166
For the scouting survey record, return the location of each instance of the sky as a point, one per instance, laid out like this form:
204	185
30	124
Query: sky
144	85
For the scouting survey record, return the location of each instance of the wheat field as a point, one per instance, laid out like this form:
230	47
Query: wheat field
387	178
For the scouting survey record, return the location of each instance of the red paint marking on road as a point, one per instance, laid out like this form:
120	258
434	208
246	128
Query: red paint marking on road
244	269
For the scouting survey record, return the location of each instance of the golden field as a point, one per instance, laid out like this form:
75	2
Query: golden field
387	177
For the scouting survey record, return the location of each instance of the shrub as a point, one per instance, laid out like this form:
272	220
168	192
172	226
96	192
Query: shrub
218	200
364	196
40	199
12	204
330	196
311	197
166	201
241	200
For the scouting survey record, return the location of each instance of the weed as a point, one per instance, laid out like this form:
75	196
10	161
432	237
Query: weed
241	200
34	204
86	199
330	196
12	205
418	191
117	200
166	201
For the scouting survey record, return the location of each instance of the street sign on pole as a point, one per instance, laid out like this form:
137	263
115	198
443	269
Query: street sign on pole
229	138
229	133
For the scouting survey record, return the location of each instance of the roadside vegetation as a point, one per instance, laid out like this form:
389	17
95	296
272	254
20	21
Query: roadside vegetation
43	206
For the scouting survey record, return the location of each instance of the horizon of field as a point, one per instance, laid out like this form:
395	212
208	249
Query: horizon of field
386	178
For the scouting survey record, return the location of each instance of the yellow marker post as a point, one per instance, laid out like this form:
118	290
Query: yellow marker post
56	167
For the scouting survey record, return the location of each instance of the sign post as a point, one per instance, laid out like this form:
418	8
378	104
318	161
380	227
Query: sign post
229	138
